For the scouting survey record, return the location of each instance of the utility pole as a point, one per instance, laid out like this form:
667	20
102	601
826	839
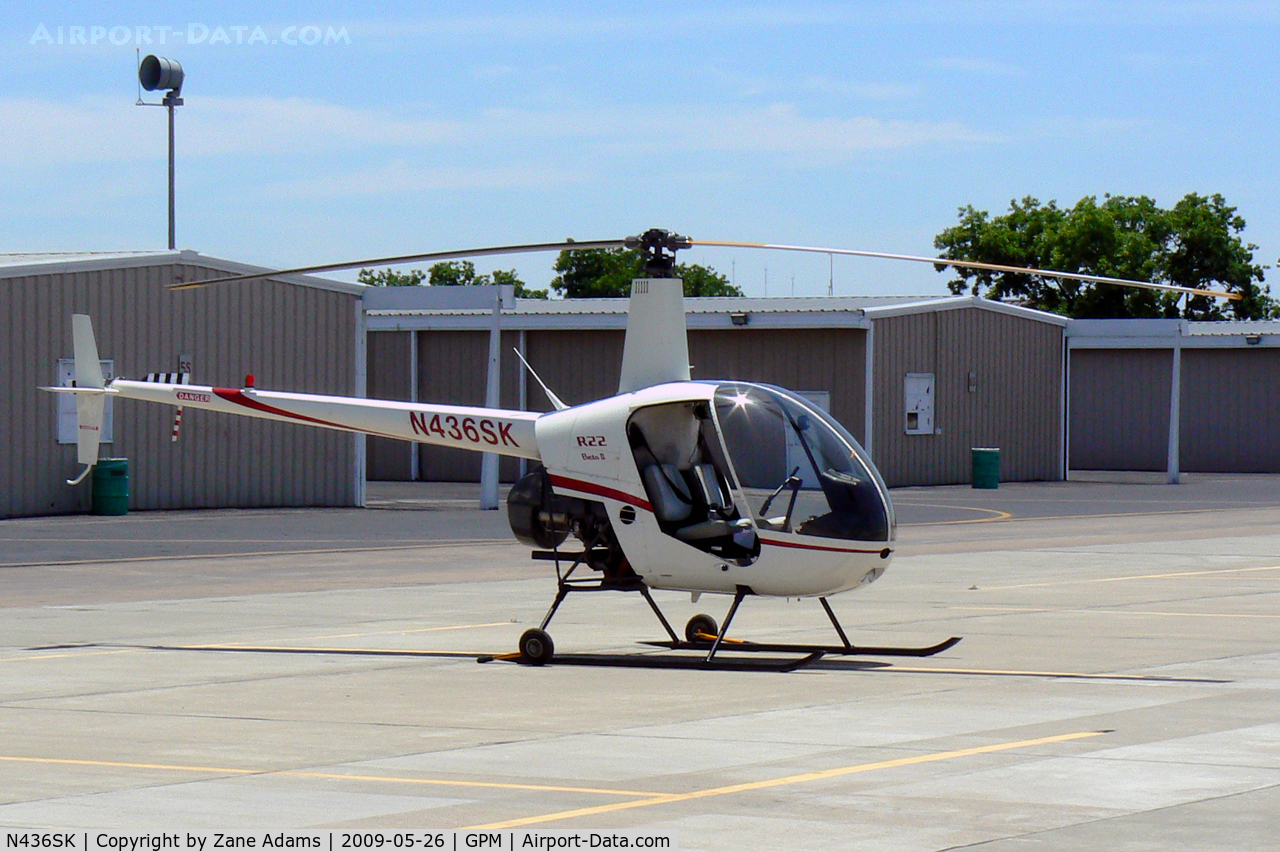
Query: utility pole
171	100
154	73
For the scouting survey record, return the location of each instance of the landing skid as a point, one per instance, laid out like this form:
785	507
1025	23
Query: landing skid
701	634
663	661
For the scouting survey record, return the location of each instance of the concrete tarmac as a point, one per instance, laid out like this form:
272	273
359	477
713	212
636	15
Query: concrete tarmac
1118	685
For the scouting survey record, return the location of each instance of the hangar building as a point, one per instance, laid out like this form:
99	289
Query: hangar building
296	332
1225	415
919	381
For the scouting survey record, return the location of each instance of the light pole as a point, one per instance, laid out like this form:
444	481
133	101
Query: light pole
154	73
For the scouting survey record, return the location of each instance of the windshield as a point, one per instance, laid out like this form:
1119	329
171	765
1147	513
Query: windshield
800	471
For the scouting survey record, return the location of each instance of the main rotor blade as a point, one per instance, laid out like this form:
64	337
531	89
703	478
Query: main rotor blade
568	245
973	264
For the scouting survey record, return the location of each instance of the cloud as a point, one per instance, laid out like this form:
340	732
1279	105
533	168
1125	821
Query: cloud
860	89
492	72
783	129
105	130
973	65
748	86
101	129
400	176
1079	128
677	22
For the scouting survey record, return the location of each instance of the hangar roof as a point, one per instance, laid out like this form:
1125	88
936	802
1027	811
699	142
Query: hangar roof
701	312
51	263
1160	334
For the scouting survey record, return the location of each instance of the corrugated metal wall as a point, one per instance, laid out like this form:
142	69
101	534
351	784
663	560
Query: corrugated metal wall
578	366
1016	405
388	378
581	366
1230	410
453	368
1120	408
809	359
291	337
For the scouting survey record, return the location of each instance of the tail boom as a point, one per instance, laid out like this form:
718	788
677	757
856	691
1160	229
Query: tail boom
508	433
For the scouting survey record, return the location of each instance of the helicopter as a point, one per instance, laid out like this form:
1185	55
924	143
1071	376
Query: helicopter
705	487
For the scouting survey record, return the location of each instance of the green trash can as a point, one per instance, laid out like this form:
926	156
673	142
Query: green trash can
111	487
986	467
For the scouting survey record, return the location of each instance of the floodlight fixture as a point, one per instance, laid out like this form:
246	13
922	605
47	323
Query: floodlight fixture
157	73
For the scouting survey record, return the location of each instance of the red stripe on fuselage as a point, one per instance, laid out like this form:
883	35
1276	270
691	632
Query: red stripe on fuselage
600	491
613	494
798	545
239	398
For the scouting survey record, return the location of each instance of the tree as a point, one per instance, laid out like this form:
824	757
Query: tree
454	273
607	273
1195	244
390	278
449	274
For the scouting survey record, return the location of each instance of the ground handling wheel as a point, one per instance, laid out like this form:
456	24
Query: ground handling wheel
536	646
701	624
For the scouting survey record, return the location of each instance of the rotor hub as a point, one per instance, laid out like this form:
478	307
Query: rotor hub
658	247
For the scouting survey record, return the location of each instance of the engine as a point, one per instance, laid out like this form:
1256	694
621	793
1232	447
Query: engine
543	519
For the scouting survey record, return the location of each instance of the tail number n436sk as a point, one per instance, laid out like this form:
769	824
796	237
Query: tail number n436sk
484	431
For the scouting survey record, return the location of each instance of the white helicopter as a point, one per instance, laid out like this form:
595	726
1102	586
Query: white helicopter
723	487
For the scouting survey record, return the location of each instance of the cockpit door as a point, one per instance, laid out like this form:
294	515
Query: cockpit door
682	464
800	471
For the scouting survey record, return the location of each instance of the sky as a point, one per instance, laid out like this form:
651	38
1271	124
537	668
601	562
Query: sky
319	132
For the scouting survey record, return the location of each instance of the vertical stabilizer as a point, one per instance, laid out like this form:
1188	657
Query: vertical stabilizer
656	349
88	367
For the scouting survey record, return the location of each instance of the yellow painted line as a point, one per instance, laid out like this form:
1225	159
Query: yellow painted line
292	773
1019	673
977	608
489	784
320	649
1082	517
822	775
412	630
61	656
232	646
63	761
997	515
1168	576
1193	614
347	541
241	555
1023	609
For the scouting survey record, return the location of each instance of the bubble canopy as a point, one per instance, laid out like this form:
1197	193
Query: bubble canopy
799	469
